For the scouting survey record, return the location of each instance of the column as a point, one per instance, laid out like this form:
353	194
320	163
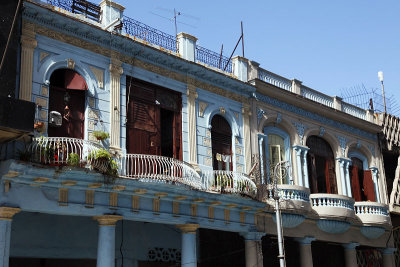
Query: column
188	257
375	172
344	164
305	167
296	86
350	254
28	44
6	214
261	138
115	104
246	112
305	251
342	177
187	46
106	240
192	132
388	257
253	249
347	176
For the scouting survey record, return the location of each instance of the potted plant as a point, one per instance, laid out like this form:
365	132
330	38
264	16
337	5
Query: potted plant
100	135
102	161
73	159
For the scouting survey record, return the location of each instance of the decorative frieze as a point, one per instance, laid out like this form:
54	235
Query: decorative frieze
89	198
99	74
63	197
202	108
135	203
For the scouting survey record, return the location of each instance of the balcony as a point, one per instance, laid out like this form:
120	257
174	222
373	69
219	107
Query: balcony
372	213
228	182
294	198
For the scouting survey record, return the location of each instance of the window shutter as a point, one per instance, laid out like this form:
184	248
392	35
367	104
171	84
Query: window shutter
369	187
355	183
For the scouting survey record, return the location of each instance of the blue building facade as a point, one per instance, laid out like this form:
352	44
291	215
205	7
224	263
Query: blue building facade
153	151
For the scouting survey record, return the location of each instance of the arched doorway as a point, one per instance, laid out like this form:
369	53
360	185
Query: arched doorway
67	96
221	141
321	166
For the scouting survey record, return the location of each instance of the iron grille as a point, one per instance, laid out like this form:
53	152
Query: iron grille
213	59
149	34
88	9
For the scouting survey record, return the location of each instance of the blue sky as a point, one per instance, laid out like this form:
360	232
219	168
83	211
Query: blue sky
328	45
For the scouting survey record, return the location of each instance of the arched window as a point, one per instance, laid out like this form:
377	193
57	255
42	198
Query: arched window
67	96
362	186
275	148
321	166
221	139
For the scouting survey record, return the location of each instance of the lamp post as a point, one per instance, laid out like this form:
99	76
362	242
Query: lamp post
280	171
380	76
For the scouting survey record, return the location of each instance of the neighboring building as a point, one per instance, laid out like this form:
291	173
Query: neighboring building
185	175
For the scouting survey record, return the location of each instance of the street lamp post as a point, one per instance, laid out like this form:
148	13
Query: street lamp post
380	76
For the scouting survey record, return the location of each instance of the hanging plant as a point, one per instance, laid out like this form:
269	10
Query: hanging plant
102	161
100	135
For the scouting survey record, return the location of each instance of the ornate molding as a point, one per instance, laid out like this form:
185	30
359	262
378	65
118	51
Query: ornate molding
28	42
107	220
260	114
202	108
321	131
222	110
116	69
6	213
342	144
191	91
70	63
189	228
43	55
300	127
99	74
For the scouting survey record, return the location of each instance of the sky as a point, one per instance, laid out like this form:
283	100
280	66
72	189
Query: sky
331	46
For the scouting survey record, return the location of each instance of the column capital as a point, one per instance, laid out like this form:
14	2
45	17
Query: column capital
28	42
343	159
116	69
388	251
108	219
191	91
189	228
6	213
374	169
252	236
305	240
300	148
246	109
350	246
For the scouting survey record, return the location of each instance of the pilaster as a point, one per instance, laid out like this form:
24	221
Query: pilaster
246	112
301	164
115	104
375	173
28	45
344	164
261	141
6	214
240	67
192	131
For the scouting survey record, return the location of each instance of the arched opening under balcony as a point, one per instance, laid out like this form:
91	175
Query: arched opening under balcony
321	166
221	142
67	96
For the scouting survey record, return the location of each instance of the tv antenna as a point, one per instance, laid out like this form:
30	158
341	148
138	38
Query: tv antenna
175	16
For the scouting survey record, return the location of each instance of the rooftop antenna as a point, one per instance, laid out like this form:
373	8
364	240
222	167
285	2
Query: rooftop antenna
240	39
176	14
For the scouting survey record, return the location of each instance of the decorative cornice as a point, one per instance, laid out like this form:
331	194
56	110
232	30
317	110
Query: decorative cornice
189	228
116	70
313	116
28	42
6	213
107	220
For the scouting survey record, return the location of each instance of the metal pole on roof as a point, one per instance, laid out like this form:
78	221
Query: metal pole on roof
380	76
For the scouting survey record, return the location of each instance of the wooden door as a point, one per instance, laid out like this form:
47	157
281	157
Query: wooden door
355	183
330	176
143	133
369	187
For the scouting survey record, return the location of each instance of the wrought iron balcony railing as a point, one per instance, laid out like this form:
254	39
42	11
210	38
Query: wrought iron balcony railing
228	182
213	59
151	167
86	8
62	150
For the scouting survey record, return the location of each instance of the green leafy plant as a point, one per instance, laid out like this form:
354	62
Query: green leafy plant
102	161
73	159
100	135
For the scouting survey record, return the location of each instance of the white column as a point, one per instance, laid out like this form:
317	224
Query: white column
298	151
189	252
347	176
260	149
253	248
115	104
305	167
106	240
28	45
187	46
342	177
192	132
350	254
344	164
246	112
305	251
6	214
375	173
388	257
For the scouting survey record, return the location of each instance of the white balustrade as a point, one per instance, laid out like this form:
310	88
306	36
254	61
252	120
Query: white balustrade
274	79
228	182
331	200
151	167
61	150
293	194
354	111
317	96
371	208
